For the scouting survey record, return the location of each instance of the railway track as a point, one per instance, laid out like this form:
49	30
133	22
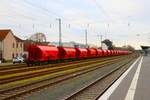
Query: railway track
22	67
59	91
42	71
95	89
12	66
61	75
18	76
34	72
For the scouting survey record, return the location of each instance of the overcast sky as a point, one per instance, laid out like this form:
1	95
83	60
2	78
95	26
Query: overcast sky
122	21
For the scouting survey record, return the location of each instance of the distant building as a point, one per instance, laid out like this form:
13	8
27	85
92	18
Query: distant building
28	42
69	44
10	45
146	50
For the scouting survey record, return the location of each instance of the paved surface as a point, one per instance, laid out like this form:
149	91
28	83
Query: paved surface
134	86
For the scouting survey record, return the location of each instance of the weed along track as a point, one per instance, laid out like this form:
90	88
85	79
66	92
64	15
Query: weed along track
33	71
22	68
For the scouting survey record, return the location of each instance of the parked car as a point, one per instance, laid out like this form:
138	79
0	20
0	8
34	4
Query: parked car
18	60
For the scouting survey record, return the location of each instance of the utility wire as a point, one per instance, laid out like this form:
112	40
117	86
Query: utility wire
42	8
50	13
102	10
47	12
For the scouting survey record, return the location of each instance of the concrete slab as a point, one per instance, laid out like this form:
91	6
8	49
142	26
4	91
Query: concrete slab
122	89
142	89
143	86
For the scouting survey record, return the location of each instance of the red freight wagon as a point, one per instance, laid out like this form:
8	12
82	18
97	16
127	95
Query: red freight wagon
115	52
125	52
99	52
112	52
67	52
105	53
109	52
120	52
92	52
81	53
39	53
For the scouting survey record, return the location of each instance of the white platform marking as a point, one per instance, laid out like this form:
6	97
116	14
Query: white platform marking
111	89
132	89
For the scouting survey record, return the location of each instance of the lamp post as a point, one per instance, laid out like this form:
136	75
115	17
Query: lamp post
60	34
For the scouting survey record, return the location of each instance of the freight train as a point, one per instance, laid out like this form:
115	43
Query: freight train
42	54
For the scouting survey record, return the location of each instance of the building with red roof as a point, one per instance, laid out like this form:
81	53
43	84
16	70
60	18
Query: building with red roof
10	45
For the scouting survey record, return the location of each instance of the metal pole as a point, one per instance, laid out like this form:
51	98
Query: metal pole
60	36
86	38
101	36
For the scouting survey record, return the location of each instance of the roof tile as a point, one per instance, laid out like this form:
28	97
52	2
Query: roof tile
3	34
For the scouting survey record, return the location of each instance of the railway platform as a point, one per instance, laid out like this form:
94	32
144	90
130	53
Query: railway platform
134	84
5	64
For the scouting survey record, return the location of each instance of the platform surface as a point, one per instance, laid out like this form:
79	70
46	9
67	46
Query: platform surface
134	84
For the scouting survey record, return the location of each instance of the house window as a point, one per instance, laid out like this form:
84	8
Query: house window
21	45
13	55
17	45
13	45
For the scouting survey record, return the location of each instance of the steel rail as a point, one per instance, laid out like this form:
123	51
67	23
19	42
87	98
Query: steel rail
11	91
96	82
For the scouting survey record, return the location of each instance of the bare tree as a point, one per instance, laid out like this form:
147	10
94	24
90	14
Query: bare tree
38	37
108	43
